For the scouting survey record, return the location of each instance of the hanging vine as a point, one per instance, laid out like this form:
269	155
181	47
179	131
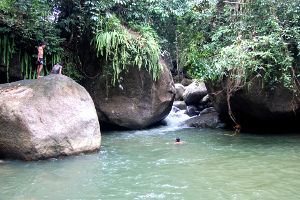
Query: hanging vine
122	47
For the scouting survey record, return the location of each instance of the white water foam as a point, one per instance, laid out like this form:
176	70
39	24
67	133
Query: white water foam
176	118
174	121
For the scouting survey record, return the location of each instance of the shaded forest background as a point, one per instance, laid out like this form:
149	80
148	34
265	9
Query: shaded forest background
207	40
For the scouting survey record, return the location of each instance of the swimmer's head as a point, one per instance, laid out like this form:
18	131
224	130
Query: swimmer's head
177	139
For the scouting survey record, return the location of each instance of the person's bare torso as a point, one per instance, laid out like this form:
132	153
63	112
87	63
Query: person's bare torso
40	52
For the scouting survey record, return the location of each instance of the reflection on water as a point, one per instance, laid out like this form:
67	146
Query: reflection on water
211	164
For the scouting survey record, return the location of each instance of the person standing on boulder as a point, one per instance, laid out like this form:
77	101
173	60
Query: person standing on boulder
40	60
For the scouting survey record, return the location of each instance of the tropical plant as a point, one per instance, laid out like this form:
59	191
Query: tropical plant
124	47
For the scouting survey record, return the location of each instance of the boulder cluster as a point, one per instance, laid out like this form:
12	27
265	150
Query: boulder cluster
192	96
55	116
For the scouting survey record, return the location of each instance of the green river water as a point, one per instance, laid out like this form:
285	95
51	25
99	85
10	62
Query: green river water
211	164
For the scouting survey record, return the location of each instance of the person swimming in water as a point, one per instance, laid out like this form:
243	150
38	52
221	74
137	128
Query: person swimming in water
177	141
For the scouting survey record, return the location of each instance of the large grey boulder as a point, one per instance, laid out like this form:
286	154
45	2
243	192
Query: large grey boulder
194	93
45	118
137	102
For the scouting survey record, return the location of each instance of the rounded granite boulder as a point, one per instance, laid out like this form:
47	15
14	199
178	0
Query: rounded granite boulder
50	117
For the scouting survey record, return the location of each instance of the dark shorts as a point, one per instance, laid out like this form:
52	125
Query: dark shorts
40	61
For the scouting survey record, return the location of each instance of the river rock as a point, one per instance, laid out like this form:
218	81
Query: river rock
179	91
205	100
186	81
208	118
194	93
180	104
204	103
258	108
192	111
50	117
175	109
137	102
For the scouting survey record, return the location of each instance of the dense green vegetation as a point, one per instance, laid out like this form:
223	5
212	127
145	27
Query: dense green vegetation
23	25
249	38
124	47
240	39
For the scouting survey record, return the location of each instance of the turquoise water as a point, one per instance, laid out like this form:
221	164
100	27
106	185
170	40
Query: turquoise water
211	164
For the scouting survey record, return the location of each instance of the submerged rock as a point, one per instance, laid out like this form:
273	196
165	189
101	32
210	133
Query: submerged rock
137	102
45	118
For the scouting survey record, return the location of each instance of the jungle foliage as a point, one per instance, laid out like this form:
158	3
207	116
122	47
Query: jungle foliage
125	47
245	39
23	25
211	39
124	32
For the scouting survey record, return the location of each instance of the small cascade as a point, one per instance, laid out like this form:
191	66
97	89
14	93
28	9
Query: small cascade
174	121
176	117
